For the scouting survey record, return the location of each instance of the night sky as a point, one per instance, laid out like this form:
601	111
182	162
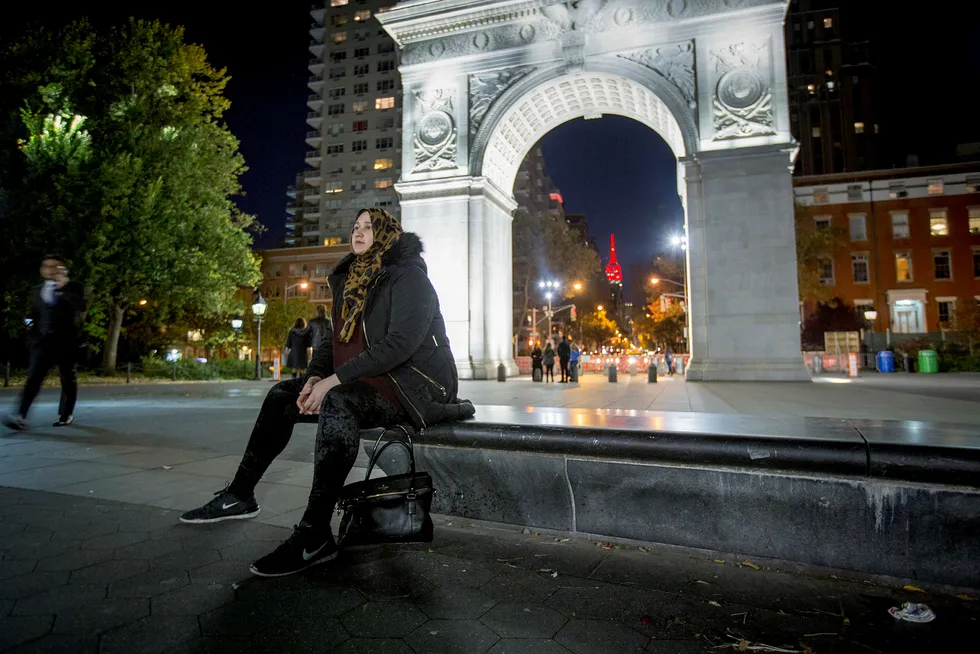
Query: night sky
614	170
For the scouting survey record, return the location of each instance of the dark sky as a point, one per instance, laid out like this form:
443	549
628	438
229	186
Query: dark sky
617	172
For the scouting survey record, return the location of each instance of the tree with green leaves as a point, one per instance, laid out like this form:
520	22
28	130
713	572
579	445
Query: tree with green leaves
597	329
121	162
814	245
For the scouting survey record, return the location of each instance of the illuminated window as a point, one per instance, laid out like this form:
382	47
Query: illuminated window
335	149
935	186
333	187
360	125
332	240
859	268
896	190
362	88
362	69
811	88
858	229
384	103
358	146
815	132
900	226
384	142
859	128
338	19
974	220
383	164
826	267
386	65
362	14
903	266
359	106
828	22
338	37
938	223
386	85
338	3
943	265
384	182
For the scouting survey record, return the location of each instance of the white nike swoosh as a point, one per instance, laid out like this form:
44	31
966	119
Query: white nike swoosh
225	507
309	555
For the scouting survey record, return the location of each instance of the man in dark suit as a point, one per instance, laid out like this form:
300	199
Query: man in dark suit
320	327
56	331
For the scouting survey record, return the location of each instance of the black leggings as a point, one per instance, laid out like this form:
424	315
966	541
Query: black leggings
346	410
549	371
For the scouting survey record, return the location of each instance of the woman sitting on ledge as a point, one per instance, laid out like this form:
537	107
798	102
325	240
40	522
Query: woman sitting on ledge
388	361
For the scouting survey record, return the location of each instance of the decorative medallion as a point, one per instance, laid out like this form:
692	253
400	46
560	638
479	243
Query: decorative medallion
573	15
676	8
485	88
437	48
527	33
623	16
435	133
742	102
481	41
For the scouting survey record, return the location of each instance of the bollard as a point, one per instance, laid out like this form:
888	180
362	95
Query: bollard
6	375
652	374
501	373
612	373
175	370
573	373
129	373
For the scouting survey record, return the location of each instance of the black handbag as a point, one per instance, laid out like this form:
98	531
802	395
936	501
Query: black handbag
392	509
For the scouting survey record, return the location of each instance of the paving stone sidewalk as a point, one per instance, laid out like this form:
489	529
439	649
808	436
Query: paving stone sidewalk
91	575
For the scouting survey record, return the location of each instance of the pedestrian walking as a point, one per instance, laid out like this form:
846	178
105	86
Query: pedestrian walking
549	363
564	354
669	361
320	327
55	337
537	364
388	361
573	358
295	350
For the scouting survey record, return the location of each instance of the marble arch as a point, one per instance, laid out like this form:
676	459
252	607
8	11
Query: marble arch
484	80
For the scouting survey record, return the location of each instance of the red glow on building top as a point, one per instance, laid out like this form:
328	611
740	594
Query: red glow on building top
557	198
613	272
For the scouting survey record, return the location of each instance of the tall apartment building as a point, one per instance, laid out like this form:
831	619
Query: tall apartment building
355	123
831	76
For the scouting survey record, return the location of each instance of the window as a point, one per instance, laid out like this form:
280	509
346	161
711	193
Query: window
974	218
359	106
947	311
360	125
385	48
333	205
362	14
384	202
820	195
331	240
876	128
333	187
338	19
815	132
383	182
860	306
897	190
858	228
362	88
859	268
812	89
359	167
942	264
382	164
386	65
903	266
337	169
900	226
828	22
296	270
357	185
809	24
859	128
338	3
358	146
362	34
935	186
277	270
362	69
976	263
938	224
338	37
384	103
335	109
335	129
384	142
854	193
340	55
826	267
822	222
386	85
972	183
337	92
321	271
386	123
337	73
335	149
362	52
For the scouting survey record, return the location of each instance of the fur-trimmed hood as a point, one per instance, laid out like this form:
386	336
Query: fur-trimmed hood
406	251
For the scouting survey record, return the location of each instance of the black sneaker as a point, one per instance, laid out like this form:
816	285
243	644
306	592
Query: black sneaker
15	422
300	551
64	422
224	506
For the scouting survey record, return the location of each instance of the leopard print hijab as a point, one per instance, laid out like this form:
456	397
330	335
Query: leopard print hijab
365	268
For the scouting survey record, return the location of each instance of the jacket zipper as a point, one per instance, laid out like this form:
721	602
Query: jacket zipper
430	380
367	342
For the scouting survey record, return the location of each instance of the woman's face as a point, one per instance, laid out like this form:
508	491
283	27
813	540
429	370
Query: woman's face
363	235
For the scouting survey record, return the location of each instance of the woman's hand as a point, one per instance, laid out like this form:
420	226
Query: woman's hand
305	393
315	399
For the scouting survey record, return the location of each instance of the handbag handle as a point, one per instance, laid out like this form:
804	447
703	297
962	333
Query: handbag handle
376	453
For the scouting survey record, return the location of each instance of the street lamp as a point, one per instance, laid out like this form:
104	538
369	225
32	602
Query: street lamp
657	280
303	285
679	241
577	286
258	310
552	286
236	326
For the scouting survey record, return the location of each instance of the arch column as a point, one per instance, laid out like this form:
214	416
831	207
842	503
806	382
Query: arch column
465	226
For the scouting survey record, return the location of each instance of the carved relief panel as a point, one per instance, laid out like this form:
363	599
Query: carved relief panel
435	137
742	91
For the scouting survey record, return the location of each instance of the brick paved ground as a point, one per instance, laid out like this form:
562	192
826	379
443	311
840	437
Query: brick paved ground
82	574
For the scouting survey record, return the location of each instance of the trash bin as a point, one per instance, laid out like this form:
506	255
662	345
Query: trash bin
909	363
817	364
886	361
652	374
573	372
612	372
928	361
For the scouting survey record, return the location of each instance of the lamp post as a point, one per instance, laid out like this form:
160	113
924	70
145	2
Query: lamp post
236	326
551	287
258	310
871	315
303	285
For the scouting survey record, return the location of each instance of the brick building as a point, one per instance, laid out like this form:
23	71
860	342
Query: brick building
284	271
911	242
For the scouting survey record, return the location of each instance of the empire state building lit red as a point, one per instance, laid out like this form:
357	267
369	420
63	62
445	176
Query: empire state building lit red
613	272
